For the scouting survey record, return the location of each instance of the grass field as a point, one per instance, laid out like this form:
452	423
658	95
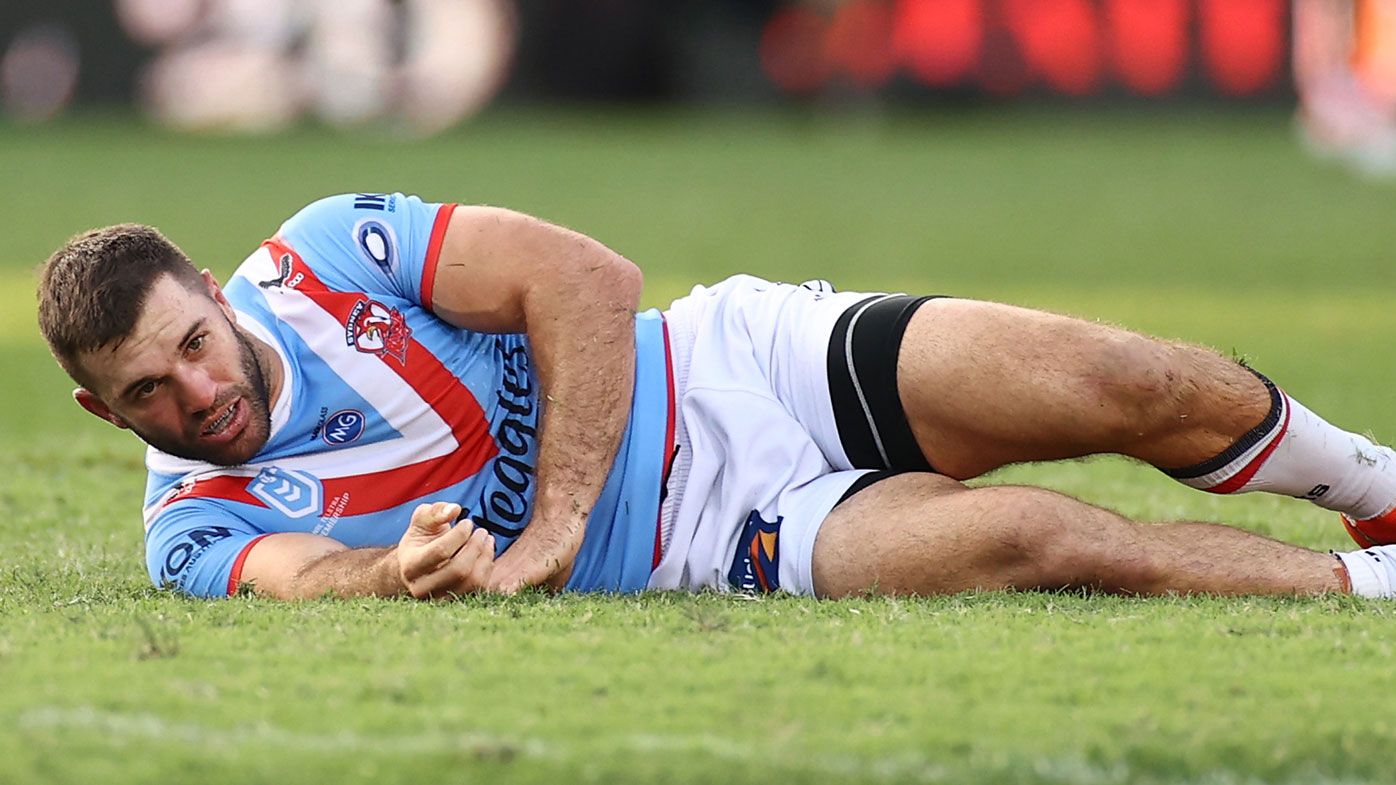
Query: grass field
1211	228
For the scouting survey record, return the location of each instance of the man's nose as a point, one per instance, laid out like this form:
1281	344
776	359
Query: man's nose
198	391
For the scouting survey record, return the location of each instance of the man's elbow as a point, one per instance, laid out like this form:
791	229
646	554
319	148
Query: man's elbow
614	279
629	281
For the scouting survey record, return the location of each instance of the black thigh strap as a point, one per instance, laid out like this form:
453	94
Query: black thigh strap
866	480
863	384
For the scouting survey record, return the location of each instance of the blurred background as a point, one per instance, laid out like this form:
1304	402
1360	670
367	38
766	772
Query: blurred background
421	67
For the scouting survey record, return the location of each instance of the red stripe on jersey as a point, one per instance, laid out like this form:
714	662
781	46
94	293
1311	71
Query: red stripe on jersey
668	449
437	386
235	577
438	236
229	487
1244	476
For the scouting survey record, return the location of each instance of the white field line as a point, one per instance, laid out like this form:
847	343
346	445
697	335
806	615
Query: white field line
120	727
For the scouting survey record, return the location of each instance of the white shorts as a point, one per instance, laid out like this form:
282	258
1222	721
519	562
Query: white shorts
760	463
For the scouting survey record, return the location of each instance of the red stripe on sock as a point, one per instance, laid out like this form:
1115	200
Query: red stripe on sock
1244	476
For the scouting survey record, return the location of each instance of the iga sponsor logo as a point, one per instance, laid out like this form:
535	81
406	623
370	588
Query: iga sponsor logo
377	243
374	328
295	494
343	427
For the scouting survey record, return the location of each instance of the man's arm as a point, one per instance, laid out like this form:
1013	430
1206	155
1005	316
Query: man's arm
433	559
501	271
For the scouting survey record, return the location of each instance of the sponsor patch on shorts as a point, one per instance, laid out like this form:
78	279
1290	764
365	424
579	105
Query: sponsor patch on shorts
756	565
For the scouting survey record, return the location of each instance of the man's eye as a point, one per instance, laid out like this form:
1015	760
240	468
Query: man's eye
145	390
196	343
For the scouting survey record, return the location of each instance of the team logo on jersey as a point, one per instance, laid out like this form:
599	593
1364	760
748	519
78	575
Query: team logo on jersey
343	427
377	243
756	565
295	494
374	328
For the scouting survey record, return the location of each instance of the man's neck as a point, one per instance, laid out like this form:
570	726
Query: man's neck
269	361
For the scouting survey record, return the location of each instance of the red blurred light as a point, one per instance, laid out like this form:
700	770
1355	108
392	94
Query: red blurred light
1243	43
1060	40
792	50
939	41
860	41
1148	43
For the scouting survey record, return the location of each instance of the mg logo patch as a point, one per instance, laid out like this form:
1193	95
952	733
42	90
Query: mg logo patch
343	427
294	494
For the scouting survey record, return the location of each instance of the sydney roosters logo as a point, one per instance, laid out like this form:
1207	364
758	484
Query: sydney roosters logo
374	328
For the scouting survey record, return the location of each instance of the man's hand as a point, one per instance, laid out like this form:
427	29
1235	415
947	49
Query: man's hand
436	559
518	569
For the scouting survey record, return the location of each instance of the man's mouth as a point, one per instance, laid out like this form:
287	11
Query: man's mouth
221	428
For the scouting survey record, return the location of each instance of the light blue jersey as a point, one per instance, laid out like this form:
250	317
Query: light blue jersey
384	406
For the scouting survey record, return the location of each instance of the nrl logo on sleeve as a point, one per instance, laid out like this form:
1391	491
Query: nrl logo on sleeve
374	328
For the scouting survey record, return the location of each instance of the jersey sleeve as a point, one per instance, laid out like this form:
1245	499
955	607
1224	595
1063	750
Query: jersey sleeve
376	243
198	548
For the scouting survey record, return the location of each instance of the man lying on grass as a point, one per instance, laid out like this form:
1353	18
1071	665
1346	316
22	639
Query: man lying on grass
396	397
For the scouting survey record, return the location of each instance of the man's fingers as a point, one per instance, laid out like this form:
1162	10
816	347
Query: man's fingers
436	553
453	577
433	518
423	558
484	564
465	571
437	584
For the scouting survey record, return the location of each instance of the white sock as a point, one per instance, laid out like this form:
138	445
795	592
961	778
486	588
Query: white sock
1297	453
1370	571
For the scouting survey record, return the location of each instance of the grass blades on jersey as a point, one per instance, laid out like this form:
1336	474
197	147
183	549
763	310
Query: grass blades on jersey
1215	229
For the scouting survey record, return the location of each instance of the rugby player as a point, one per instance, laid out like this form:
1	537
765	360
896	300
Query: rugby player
398	397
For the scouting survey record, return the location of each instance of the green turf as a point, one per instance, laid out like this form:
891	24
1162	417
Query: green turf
1211	228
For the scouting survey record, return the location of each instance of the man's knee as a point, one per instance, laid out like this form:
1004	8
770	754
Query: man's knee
1021	537
1044	539
1141	385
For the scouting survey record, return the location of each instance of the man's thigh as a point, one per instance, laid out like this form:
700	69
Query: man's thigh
985	384
921	533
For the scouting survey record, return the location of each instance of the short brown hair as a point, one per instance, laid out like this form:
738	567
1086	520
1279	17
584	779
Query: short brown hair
92	289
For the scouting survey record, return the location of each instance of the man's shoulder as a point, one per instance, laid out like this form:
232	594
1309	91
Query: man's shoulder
335	213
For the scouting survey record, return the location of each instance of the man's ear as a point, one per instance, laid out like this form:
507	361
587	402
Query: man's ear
94	406
216	292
